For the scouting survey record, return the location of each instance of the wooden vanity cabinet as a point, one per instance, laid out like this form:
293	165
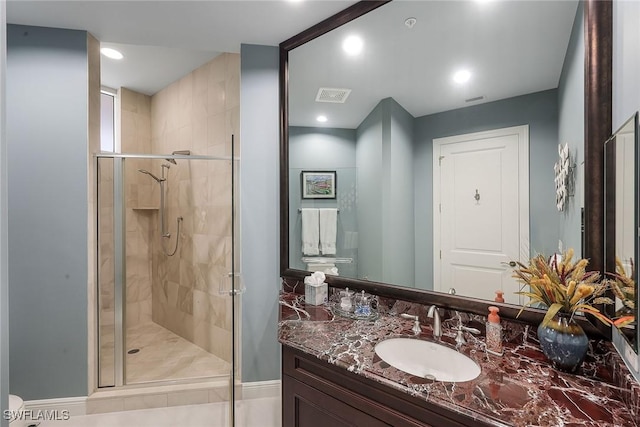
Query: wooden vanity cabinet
315	393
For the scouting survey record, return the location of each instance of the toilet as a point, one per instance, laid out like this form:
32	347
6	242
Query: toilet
16	406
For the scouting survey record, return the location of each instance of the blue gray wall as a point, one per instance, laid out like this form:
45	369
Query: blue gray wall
4	282
260	215
571	129
538	110
324	149
369	160
398	196
47	120
385	194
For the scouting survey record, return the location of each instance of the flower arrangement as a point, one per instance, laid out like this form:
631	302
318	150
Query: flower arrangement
624	287
563	286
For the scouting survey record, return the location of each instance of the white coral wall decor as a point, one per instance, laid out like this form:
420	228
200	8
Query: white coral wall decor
562	168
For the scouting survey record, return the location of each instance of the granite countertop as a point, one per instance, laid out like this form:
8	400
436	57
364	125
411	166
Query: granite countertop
520	388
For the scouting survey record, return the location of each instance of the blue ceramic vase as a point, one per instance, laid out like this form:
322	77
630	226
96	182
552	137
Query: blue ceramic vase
563	342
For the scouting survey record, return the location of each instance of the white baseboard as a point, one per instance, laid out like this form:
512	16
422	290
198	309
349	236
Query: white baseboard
261	389
75	405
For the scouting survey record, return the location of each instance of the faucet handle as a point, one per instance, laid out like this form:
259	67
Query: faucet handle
460	340
416	323
474	331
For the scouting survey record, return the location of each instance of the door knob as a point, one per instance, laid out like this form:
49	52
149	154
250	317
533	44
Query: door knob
510	263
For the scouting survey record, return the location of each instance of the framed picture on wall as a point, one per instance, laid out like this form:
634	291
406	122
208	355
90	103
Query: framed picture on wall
318	184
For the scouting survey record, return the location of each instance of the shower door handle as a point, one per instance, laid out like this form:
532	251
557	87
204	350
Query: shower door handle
232	292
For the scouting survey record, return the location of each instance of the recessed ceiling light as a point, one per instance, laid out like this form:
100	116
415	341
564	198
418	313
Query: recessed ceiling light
461	76
111	53
321	119
352	45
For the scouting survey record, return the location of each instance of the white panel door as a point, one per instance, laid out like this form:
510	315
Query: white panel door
481	217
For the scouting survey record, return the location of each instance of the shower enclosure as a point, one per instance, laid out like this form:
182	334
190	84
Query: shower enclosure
167	263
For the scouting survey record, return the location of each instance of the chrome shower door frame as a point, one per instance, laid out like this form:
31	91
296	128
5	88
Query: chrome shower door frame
119	264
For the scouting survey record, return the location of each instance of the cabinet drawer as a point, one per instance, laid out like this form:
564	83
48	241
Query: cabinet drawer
360	392
308	407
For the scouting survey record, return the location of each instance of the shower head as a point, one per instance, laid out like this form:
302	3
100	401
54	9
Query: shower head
158	180
179	152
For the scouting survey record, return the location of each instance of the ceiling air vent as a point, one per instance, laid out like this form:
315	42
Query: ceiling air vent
335	95
477	98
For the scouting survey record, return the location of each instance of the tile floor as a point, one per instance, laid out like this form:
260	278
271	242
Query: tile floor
163	356
264	412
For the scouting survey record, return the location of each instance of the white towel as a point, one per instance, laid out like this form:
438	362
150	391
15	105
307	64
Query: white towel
328	230
310	231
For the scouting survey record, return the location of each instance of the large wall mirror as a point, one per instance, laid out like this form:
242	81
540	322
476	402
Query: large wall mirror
622	213
428	149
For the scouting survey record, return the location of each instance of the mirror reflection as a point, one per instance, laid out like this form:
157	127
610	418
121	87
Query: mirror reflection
441	135
622	210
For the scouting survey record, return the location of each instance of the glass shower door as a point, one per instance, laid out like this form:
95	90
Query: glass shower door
167	272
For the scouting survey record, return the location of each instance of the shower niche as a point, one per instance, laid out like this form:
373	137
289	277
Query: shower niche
166	262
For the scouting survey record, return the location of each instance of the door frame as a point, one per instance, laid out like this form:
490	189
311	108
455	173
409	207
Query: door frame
523	189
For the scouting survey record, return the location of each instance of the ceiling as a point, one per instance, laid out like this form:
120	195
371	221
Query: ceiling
165	40
511	48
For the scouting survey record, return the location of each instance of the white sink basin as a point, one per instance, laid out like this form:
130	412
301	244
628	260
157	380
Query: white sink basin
426	359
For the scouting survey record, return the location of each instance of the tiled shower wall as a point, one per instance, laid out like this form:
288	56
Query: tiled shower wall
198	113
141	198
142	201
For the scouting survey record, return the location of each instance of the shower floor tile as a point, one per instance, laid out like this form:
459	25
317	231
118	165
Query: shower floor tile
162	356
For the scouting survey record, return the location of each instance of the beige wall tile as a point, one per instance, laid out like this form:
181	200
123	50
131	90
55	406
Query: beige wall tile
216	135
200	92
216	97
185	138
200	141
233	81
185	100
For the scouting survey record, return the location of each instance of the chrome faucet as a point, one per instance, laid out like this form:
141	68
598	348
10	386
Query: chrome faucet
437	326
416	323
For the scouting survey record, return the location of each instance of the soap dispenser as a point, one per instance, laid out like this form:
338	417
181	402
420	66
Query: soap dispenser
494	332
